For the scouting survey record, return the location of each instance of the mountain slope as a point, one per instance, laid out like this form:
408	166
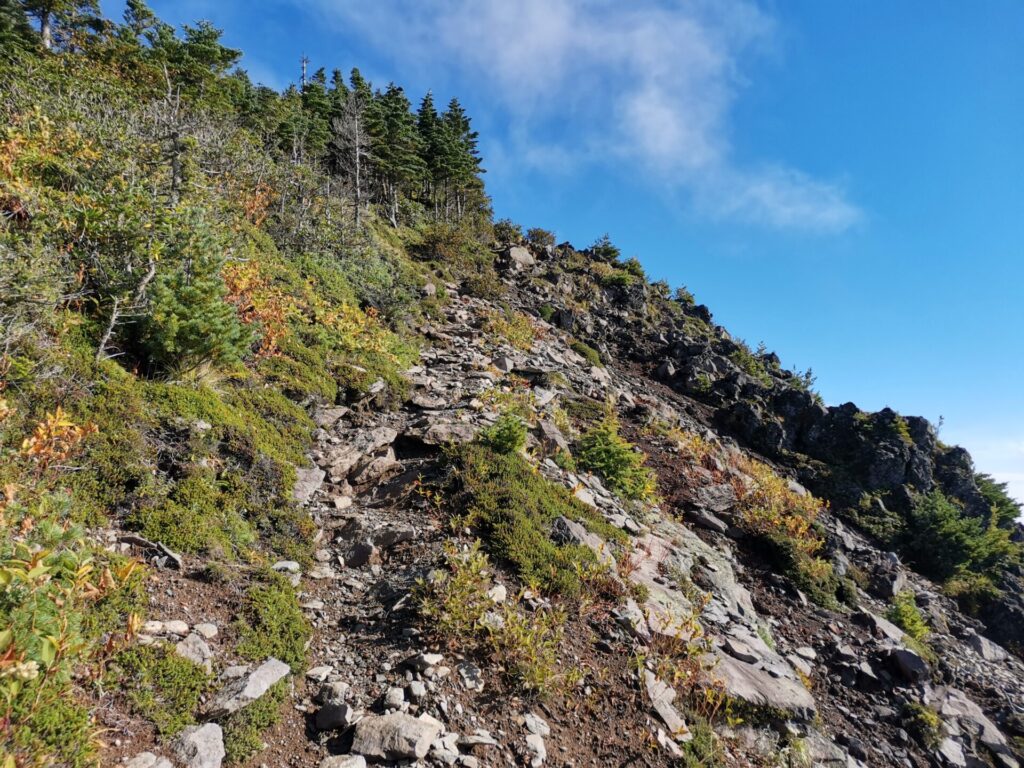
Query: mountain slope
307	461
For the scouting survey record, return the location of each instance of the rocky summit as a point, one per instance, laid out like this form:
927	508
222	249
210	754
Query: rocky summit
309	462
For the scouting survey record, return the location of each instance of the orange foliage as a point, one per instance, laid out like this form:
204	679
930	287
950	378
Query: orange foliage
259	302
55	439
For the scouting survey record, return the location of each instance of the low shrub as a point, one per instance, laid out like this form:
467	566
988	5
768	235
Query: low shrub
271	623
506	435
525	645
513	506
924	724
243	730
905	614
162	686
603	451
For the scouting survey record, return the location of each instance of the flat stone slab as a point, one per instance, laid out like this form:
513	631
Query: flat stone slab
247	689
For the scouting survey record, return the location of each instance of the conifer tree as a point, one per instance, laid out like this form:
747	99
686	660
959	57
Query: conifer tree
396	148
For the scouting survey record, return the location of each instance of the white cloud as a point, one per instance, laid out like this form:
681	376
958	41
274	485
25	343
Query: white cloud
644	83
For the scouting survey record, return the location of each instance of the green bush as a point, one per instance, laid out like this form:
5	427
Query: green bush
506	435
162	686
633	266
540	237
508	232
513	507
941	542
905	614
603	451
271	623
188	322
604	250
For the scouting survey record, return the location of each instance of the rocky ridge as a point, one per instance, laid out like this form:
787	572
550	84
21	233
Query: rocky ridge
805	685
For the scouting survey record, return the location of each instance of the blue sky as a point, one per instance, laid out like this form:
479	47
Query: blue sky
844	181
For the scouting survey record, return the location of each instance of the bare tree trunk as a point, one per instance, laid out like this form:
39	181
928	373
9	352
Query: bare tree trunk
46	29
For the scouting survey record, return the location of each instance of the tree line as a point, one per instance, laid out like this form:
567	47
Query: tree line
373	147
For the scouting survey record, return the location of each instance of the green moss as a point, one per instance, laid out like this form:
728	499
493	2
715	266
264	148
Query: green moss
162	686
61	728
243	731
271	623
300	372
591	355
547	312
514	506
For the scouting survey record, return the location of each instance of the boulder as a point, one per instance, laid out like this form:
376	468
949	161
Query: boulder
307	482
909	665
245	690
518	258
396	736
200	746
758	688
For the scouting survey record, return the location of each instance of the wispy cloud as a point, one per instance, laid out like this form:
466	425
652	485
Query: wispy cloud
646	85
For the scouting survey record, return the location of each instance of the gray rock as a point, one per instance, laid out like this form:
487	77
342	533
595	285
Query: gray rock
503	363
451	432
307	482
759	688
986	648
421	662
245	690
536	724
953	704
334	716
661	696
471	676
566	531
343	761
343	458
909	665
707	519
519	258
148	760
396	736
176	627
551	437
195	649
538	753
326	418
394	698
206	630
200	746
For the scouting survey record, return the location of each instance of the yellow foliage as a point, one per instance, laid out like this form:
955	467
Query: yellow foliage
770	506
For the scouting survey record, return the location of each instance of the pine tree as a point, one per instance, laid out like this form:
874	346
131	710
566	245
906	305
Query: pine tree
396	148
61	16
429	127
188	323
15	31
